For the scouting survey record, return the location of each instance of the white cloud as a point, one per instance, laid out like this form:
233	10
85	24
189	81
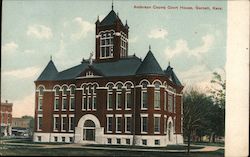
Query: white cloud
84	28
181	46
199	77
133	40
29	72
25	106
158	33
39	31
9	47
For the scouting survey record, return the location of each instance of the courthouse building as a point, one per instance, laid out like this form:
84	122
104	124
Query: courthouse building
115	98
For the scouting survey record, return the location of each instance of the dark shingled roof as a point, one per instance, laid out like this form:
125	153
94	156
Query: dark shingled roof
110	19
122	67
49	73
170	73
150	65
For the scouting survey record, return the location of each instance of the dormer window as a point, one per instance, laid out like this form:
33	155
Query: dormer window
106	44
89	74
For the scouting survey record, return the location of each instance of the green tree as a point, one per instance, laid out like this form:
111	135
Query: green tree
196	108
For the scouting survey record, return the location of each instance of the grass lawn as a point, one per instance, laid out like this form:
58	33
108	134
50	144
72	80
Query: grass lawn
36	151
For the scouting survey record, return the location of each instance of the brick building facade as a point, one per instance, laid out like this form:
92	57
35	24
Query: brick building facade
6	118
112	99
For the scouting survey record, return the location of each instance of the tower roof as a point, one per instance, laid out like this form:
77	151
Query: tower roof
110	19
150	65
49	73
170	73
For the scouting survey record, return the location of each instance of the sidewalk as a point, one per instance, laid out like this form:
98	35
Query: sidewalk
205	149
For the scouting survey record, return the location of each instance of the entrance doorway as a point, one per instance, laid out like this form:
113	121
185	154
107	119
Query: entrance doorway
89	131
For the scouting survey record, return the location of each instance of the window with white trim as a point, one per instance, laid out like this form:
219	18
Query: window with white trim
128	123
94	103
144	142
118	124
165	125
106	44
174	103
56	104
110	101
71	123
170	102
84	102
109	123
118	100
157	142
64	121
72	90
144	100
157	100
165	101
124	45
72	104
40	103
64	103
39	122
64	90
56	122
157	124
57	91
144	123
128	98
41	91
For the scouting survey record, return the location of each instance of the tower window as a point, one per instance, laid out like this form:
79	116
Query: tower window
106	44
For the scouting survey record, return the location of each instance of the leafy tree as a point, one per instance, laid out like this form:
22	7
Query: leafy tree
195	109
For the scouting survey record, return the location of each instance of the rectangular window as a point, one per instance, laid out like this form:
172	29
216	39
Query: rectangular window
157	124
56	104
40	104
109	124
84	103
64	103
165	101
128	100
118	124
72	103
94	103
157	100
89	103
109	140
39	138
110	101
118	101
144	124
170	103
128	141
118	141
144	142
157	142
70	139
39	123
128	121
64	121
174	104
55	138
56	123
165	125
71	123
63	139
144	100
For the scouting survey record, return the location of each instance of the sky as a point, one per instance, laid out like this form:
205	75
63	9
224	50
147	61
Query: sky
193	41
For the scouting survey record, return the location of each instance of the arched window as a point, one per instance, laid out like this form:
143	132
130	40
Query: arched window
144	84
64	90
57	91
41	91
72	90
